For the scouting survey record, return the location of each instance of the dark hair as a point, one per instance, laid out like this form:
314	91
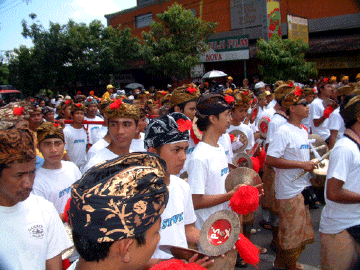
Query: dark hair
92	251
181	107
203	123
2	167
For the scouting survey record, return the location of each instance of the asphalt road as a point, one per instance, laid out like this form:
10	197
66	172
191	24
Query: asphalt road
310	258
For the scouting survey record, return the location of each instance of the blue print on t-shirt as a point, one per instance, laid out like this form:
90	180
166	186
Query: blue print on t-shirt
170	221
64	191
304	146
224	171
190	150
79	141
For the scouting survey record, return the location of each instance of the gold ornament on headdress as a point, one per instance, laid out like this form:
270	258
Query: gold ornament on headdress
292	98
120	109
185	93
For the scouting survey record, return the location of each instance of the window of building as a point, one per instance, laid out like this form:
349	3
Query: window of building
143	20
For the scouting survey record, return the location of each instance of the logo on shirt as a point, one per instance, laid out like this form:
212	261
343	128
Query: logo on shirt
37	231
174	219
225	171
64	191
304	146
227	152
79	141
190	150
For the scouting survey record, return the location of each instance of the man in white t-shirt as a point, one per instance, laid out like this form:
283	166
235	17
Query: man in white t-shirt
137	144
122	124
32	234
168	137
91	115
76	137
318	114
340	218
54	178
289	153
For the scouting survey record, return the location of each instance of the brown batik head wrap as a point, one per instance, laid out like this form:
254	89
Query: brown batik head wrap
119	198
241	99
49	130
351	110
282	90
13	113
185	93
78	107
292	98
118	108
16	145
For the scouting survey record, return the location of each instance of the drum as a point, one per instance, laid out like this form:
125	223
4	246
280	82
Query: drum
319	175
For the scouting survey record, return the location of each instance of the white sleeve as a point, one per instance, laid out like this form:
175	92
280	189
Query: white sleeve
340	161
317	111
189	214
38	189
277	145
335	121
57	238
66	136
197	171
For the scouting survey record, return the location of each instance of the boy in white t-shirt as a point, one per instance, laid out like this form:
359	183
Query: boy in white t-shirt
54	178
340	217
76	137
168	137
122	124
91	115
289	153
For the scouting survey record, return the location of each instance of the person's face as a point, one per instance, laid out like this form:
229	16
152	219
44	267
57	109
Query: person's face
122	131
174	155
67	112
261	89
16	182
328	90
110	90
239	113
78	117
263	102
269	98
42	103
154	110
310	98
223	121
52	150
190	109
142	124
92	110
49	116
301	108
142	254
35	119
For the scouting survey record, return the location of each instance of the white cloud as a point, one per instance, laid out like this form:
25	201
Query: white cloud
87	10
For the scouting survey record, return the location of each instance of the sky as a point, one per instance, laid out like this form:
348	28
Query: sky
12	12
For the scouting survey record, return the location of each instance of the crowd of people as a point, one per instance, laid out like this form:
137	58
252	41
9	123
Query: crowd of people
131	171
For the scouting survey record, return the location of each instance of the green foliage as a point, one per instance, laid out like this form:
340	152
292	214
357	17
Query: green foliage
284	59
71	55
4	72
172	46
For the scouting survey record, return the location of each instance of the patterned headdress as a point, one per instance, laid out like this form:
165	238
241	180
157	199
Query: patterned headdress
213	103
66	103
46	109
351	110
16	145
309	91
283	89
49	130
13	113
90	100
118	108
185	93
120	198
292	98
167	129
345	90
241	99
78	107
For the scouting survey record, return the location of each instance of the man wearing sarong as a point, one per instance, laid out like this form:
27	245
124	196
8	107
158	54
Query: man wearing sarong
289	153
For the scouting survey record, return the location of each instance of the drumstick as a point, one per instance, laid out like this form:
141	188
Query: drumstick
317	160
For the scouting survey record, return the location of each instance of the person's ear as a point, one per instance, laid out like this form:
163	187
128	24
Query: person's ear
122	248
153	150
177	109
212	119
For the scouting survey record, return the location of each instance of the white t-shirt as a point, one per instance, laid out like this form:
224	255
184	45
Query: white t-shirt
336	122
95	148
271	104
291	143
31	233
268	113
276	122
225	142
55	185
344	165
178	212
103	155
75	145
189	152
93	128
316	112
249	134
207	170
137	145
99	134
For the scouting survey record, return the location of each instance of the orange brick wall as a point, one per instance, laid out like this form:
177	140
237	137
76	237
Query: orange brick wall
219	11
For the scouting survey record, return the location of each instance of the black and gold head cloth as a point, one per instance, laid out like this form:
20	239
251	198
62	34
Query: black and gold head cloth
16	145
212	103
185	93
119	198
49	130
166	129
350	109
118	108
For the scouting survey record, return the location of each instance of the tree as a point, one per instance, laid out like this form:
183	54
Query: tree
4	71
284	59
172	46
70	55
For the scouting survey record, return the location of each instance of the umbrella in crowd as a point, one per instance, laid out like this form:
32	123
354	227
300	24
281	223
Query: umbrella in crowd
214	74
132	86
